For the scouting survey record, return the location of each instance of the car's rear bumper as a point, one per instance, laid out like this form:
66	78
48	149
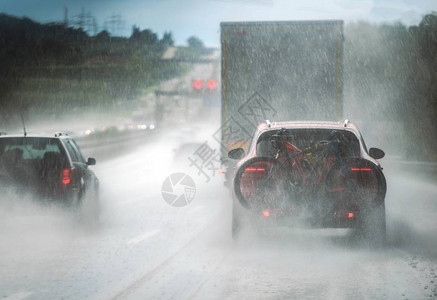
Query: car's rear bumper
67	195
339	217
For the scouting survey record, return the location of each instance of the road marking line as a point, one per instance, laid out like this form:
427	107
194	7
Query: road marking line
199	287
143	237
127	291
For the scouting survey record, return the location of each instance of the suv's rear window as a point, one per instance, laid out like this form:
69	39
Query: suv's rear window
29	147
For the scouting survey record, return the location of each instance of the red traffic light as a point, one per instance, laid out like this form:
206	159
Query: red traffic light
197	84
212	84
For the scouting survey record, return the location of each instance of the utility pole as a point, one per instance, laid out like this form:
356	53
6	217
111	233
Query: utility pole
66	16
91	23
81	19
115	24
95	26
85	21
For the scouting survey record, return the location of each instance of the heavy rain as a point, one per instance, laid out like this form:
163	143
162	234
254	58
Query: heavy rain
219	149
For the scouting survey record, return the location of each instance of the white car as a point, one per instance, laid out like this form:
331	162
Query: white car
317	174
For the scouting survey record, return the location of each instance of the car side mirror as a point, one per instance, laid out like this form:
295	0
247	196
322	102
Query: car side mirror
376	153
236	153
91	161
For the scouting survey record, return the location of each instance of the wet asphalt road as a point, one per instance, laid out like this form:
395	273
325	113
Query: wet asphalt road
143	248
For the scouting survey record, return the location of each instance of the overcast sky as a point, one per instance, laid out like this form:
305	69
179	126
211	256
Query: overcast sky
201	18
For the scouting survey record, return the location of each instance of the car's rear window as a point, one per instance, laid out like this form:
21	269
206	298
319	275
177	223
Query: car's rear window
302	138
29	147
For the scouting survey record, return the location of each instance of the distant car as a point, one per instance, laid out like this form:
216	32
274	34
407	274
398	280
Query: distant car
49	167
316	174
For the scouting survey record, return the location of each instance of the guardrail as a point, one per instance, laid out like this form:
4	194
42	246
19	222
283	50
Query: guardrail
103	147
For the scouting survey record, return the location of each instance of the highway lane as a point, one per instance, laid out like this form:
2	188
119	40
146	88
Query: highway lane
144	248
47	252
310	264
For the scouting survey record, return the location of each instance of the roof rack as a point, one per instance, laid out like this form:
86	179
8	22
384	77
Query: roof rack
58	134
346	122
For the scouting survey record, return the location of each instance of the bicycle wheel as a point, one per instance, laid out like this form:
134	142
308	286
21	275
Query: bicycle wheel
360	185
261	182
355	180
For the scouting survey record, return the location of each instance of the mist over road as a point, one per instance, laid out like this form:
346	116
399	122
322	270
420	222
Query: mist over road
144	248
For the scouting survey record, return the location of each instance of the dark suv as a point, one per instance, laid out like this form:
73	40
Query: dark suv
47	167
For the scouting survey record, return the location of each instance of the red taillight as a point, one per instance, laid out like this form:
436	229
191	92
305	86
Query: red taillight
266	213
346	214
254	169
197	84
211	84
361	169
66	176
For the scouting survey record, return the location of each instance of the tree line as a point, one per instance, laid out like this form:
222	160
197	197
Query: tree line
51	65
24	41
390	78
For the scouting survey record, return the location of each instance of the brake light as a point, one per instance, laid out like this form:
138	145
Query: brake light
361	169
346	214
254	169
66	176
266	213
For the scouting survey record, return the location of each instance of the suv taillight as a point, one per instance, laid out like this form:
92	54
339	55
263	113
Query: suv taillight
66	176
